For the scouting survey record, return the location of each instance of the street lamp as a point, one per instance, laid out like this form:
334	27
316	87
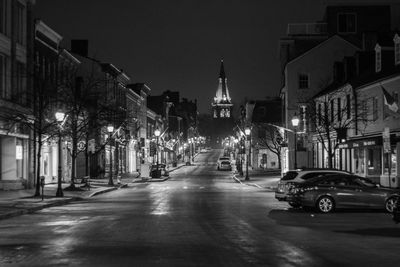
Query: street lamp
295	123
110	130
247	131
60	116
157	134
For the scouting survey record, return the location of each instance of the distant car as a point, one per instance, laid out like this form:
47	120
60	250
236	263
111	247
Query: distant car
221	159
225	165
295	177
208	148
161	168
343	191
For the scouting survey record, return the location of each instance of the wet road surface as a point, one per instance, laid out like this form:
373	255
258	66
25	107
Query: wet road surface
199	217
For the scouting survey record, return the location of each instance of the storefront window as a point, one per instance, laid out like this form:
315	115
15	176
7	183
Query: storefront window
19	156
393	163
359	160
374	161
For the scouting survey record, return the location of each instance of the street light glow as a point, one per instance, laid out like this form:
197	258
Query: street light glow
247	131
110	128
295	121
157	132
60	116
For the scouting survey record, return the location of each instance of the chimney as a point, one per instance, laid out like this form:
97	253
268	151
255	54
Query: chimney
80	47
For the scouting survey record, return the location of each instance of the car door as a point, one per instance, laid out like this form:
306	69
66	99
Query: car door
372	196
345	194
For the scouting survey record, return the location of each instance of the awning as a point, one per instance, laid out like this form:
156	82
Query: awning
367	142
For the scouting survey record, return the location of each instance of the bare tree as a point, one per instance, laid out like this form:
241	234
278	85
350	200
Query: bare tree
331	115
271	138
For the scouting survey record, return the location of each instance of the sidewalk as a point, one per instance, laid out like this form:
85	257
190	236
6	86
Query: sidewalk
263	179
17	202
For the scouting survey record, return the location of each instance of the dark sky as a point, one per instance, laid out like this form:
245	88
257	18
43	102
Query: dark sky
177	44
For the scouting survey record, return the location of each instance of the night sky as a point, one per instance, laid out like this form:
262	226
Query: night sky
177	45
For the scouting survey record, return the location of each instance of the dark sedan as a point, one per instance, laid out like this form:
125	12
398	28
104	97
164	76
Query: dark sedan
343	191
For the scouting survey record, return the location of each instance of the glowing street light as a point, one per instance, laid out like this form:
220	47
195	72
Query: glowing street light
110	130
295	123
247	131
60	116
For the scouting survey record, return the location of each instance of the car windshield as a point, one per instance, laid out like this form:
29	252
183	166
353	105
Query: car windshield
224	158
290	175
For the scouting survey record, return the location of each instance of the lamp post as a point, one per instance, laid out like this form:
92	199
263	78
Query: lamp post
60	116
295	123
247	131
110	130
157	134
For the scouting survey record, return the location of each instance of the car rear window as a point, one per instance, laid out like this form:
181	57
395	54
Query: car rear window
289	175
224	158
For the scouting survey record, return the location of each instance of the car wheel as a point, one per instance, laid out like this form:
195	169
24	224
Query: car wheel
294	205
390	204
325	204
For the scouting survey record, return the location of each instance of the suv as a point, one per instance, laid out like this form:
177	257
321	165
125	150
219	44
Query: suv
221	159
295	177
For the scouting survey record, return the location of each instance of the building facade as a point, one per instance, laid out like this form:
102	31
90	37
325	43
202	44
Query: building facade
16	45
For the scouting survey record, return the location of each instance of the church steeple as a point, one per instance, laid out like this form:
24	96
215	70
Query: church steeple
222	70
222	105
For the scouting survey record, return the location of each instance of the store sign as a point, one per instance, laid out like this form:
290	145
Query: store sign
18	151
363	143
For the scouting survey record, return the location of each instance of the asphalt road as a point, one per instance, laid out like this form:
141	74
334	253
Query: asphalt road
200	217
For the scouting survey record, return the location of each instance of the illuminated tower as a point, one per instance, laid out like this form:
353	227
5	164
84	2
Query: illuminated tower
222	105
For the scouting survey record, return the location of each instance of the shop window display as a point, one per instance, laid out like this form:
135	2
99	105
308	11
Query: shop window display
374	161
390	158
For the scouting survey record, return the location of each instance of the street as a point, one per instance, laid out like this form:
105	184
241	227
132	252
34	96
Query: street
199	217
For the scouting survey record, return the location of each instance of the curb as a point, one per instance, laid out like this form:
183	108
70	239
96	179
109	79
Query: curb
252	184
62	202
107	190
150	180
34	209
176	168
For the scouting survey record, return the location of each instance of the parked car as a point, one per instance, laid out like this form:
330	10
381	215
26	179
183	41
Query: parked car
225	165
396	211
293	178
223	159
343	191
162	169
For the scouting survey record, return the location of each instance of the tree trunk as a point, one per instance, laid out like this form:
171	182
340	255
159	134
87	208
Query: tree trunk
38	156
74	155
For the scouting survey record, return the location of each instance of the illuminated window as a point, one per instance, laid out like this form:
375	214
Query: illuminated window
215	113
228	113
222	113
